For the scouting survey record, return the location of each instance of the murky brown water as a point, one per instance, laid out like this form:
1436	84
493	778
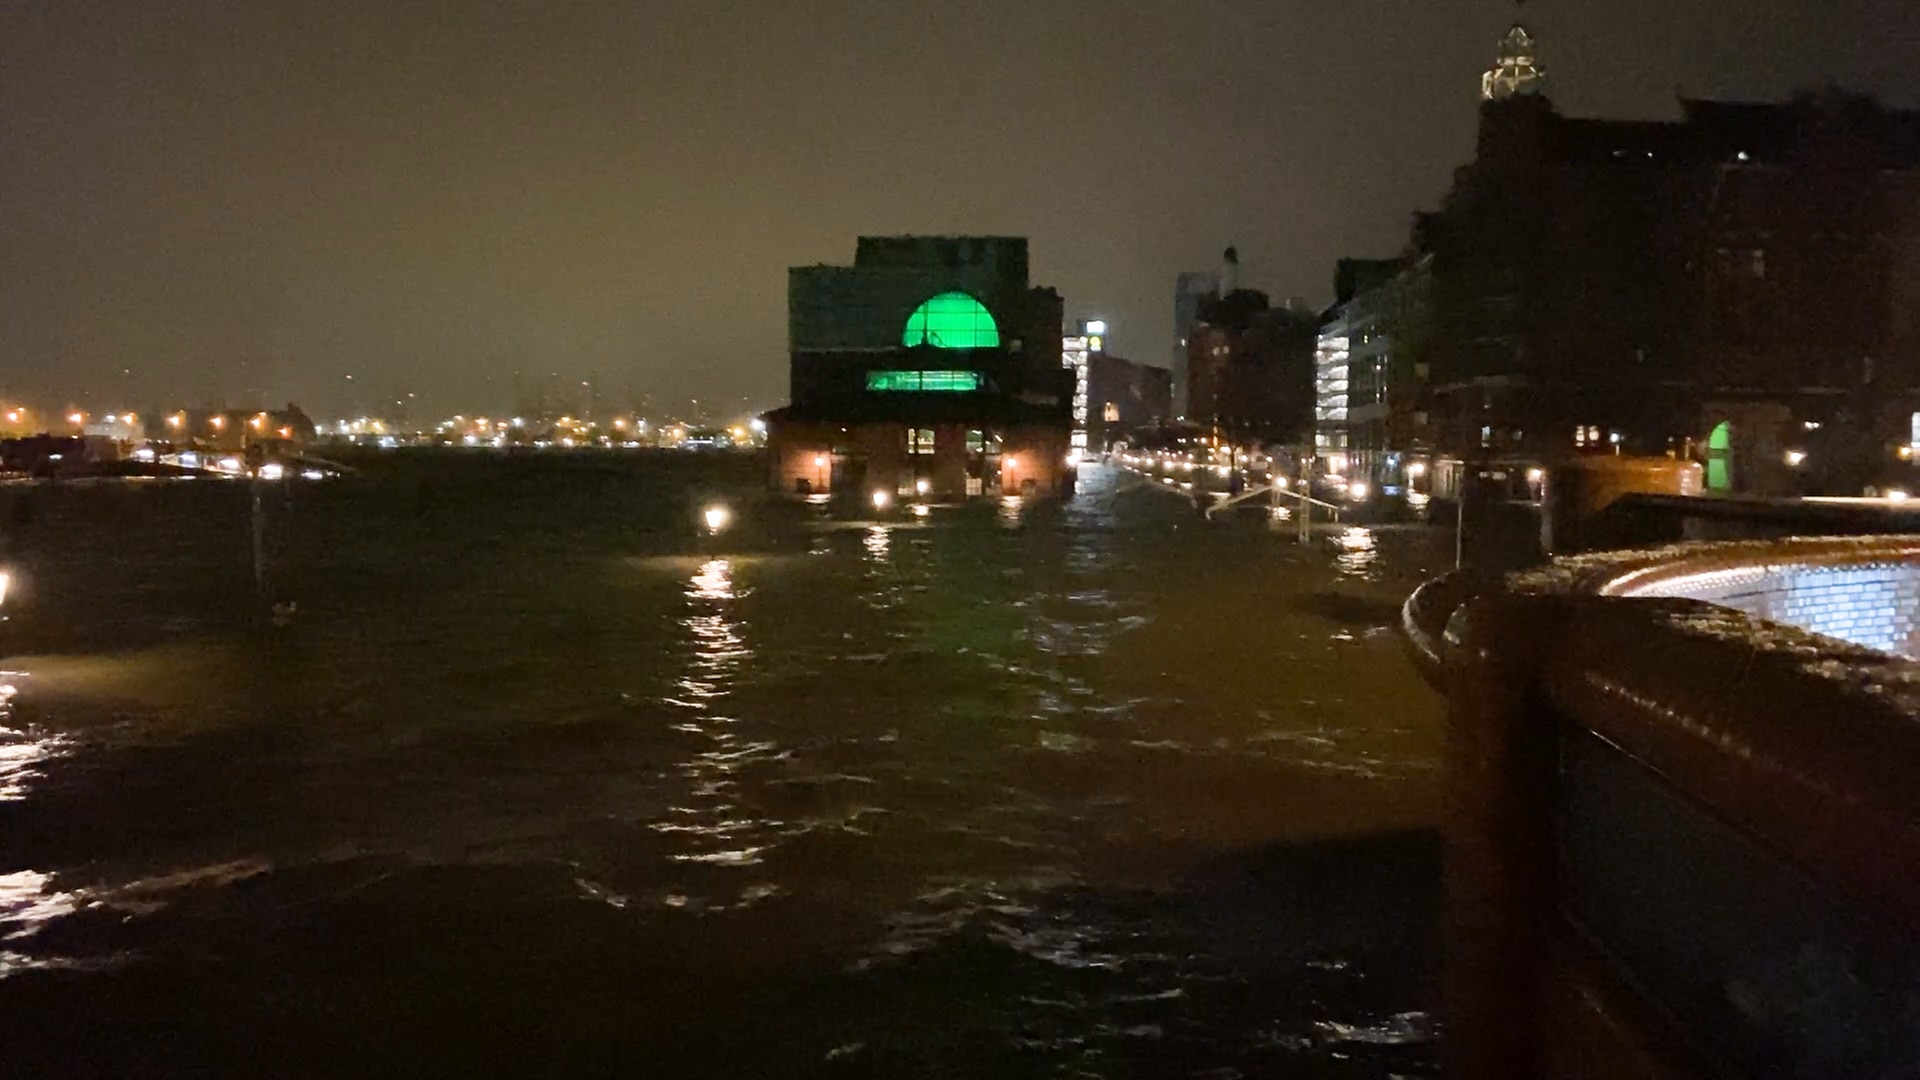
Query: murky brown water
541	781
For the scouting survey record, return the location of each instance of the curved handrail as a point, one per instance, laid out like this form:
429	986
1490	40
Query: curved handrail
1425	616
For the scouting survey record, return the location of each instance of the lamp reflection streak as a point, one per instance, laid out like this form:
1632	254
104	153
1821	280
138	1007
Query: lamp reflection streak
713	826
28	899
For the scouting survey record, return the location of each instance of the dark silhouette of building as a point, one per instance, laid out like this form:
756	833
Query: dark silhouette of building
931	367
1745	277
1124	396
1250	369
1189	289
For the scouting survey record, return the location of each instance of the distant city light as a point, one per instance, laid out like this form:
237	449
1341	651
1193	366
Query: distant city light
272	470
76	418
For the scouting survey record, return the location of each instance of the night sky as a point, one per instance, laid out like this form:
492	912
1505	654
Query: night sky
248	201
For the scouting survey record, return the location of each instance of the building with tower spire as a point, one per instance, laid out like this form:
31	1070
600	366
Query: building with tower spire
1517	71
1670	286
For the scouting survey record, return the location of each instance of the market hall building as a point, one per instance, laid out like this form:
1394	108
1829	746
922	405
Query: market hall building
928	370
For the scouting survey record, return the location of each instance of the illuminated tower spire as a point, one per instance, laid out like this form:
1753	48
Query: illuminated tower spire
1517	72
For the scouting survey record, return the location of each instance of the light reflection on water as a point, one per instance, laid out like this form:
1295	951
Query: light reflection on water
28	901
28	898
1358	552
712	819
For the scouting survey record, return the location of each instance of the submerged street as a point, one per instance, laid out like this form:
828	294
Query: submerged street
541	779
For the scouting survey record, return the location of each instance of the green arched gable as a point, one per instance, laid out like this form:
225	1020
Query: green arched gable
952	320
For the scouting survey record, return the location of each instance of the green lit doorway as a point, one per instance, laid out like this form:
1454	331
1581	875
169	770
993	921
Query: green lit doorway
1720	458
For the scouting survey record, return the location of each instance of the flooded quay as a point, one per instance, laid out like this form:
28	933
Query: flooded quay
543	779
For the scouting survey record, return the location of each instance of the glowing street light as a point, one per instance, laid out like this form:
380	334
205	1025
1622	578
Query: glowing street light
881	499
717	518
76	418
176	420
216	422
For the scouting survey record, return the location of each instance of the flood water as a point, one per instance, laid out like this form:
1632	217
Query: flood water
541	781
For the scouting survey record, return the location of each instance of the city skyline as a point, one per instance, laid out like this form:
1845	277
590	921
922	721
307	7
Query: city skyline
215	202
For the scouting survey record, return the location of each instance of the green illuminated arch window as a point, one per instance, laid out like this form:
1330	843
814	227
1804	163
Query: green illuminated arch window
911	382
952	320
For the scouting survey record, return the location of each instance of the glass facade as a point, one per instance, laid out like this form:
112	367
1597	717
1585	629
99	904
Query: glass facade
947	382
952	320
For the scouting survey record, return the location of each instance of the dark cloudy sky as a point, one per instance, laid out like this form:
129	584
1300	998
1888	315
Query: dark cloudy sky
252	199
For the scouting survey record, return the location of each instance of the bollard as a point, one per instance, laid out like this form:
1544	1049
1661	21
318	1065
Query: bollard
1499	861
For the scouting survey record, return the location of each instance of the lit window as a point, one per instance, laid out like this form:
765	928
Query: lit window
920	441
1486	436
1111	414
952	320
948	382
